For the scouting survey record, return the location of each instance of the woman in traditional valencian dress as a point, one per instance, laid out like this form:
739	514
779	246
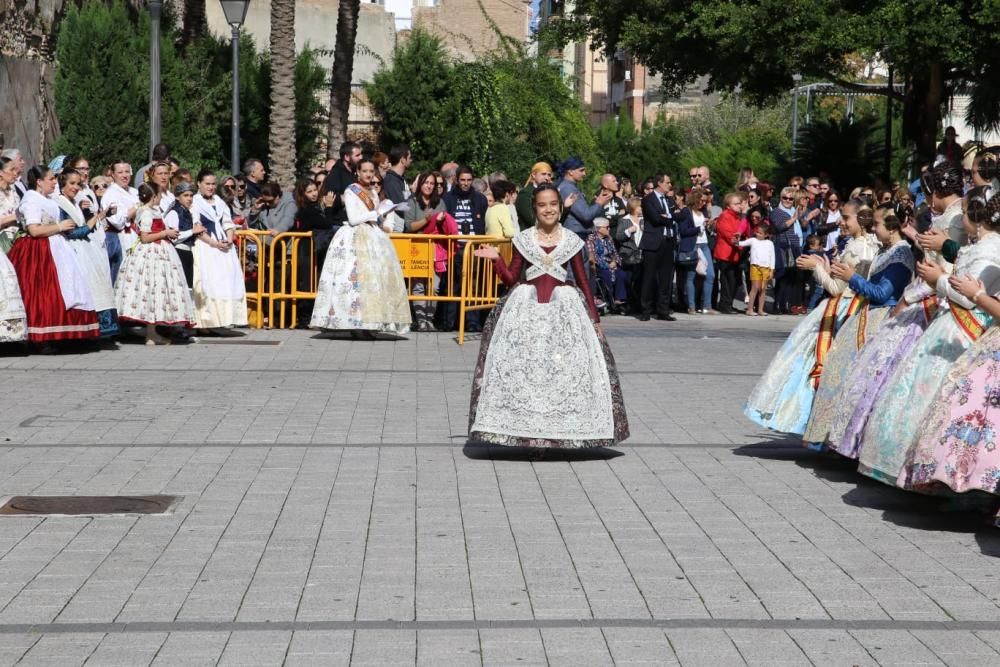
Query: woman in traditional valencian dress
92	259
956	446
913	313
361	289
783	397
958	323
220	297
58	303
890	273
543	340
13	320
151	289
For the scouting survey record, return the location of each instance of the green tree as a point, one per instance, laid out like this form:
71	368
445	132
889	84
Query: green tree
102	94
756	46
502	112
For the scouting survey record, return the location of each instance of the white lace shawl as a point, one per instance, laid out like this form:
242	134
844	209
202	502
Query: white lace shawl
551	263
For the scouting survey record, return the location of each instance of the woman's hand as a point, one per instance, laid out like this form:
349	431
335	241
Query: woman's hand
328	199
171	233
929	272
966	285
487	252
932	239
842	271
807	262
570	200
67	226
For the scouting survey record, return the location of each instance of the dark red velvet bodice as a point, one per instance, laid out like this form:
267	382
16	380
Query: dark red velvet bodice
544	284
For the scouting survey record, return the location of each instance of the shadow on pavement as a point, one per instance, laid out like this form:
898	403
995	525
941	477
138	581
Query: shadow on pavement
954	514
483	452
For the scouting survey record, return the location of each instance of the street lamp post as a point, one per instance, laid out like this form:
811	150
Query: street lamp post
155	12
235	12
797	78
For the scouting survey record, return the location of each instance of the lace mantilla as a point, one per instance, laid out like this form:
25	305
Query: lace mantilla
552	263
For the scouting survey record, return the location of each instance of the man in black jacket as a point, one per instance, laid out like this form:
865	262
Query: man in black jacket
468	207
343	174
394	184
658	244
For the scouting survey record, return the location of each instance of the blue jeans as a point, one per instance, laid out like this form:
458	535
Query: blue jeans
817	294
113	245
706	288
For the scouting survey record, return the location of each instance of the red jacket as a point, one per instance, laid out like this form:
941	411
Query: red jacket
728	225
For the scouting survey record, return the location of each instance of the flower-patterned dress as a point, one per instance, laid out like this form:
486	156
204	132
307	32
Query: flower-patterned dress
957	448
782	399
362	286
151	288
895	422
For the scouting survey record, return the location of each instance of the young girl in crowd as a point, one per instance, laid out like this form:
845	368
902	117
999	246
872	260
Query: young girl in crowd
151	288
761	267
814	246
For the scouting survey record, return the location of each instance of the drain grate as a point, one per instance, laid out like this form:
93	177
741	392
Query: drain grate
87	505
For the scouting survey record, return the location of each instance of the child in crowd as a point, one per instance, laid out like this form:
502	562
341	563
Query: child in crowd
151	287
761	266
814	246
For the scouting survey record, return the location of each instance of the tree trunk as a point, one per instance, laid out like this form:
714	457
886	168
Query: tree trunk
925	93
282	137
343	72
194	23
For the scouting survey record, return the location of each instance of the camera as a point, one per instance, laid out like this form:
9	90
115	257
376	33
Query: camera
903	211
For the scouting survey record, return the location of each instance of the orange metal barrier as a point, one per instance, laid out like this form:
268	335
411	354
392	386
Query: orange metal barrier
285	273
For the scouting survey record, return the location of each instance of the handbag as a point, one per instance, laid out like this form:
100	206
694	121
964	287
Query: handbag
688	257
701	268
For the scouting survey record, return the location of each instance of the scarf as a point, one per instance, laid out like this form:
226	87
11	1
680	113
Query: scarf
547	263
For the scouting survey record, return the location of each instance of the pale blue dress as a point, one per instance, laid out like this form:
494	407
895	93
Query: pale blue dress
782	400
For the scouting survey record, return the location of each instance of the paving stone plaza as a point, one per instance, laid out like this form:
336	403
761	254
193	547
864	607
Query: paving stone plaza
330	512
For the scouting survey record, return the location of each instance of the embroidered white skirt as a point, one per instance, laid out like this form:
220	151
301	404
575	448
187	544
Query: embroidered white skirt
220	297
361	287
545	378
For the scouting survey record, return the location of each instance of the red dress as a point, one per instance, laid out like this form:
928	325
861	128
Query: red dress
48	317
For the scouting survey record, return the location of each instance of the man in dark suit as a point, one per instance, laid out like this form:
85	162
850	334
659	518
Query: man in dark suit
658	243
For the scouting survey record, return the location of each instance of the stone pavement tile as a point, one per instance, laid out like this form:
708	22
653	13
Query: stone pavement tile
14	646
636	646
571	646
448	647
137	648
894	647
958	648
708	647
320	647
384	647
266	647
508	647
767	647
191	648
831	647
70	648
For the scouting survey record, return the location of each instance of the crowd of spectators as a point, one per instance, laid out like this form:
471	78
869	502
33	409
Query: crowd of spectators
652	251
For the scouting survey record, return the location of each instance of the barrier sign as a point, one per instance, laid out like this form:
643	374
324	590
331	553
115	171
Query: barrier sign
415	257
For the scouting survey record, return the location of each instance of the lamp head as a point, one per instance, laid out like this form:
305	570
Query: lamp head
235	11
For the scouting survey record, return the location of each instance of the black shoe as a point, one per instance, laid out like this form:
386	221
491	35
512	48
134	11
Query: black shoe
473	328
666	318
642	317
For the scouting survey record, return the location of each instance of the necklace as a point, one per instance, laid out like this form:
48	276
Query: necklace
548	238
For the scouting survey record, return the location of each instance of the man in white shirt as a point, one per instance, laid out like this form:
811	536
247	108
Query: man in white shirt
121	202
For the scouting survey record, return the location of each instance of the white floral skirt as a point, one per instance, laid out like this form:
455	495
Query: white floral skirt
151	288
361	287
13	319
545	377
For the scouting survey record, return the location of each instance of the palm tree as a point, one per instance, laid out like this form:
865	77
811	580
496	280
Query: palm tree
343	71
194	23
282	137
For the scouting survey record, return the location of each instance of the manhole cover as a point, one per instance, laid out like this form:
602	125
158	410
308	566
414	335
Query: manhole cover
87	505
